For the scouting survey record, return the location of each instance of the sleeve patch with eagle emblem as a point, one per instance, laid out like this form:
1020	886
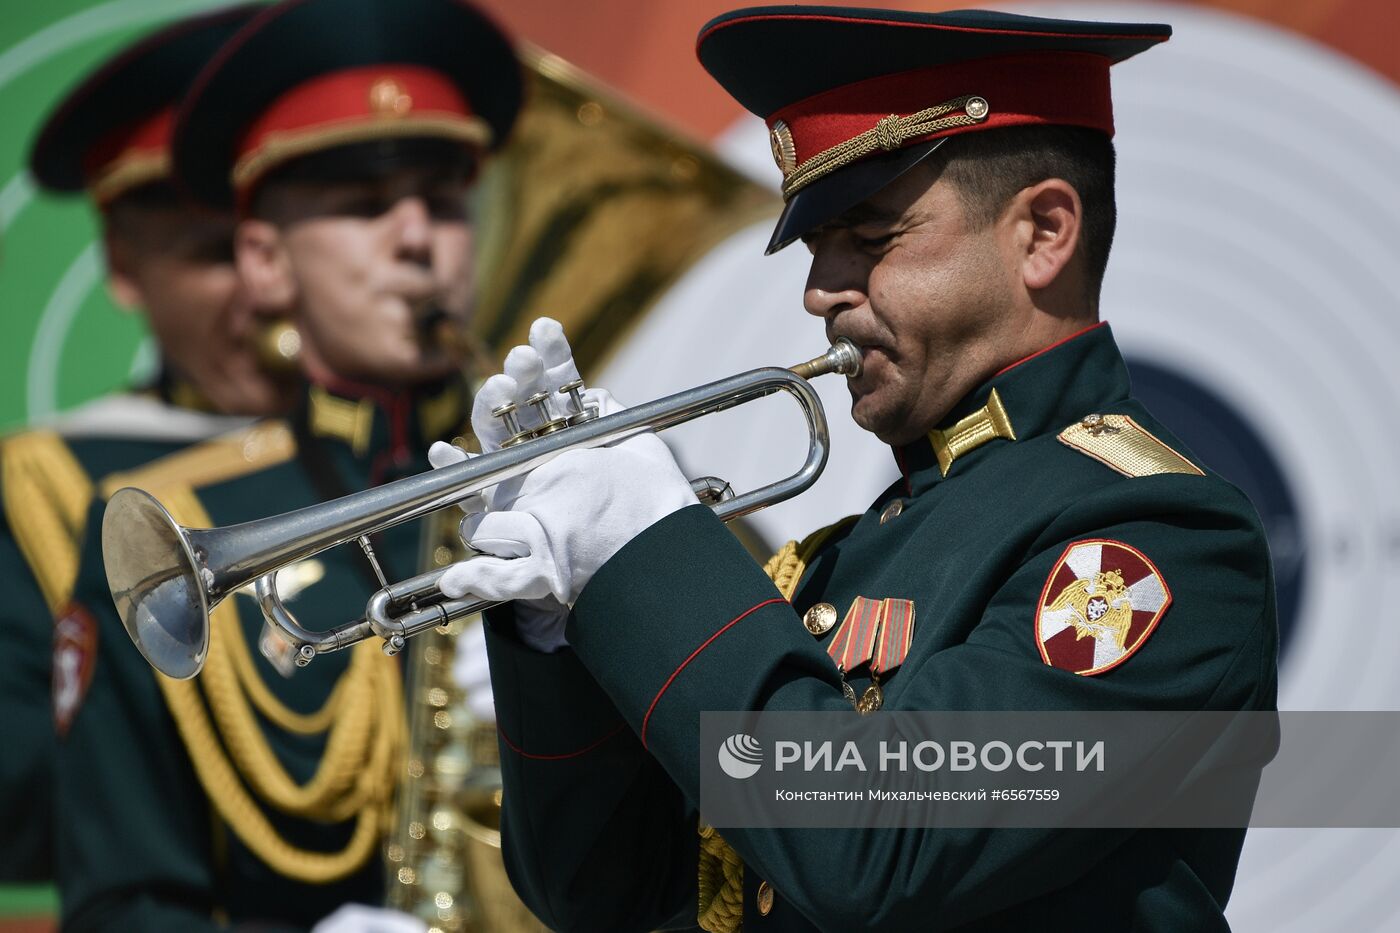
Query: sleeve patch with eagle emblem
1100	602
74	655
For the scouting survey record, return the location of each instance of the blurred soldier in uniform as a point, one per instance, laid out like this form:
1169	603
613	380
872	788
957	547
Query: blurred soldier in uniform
173	262
346	134
1049	546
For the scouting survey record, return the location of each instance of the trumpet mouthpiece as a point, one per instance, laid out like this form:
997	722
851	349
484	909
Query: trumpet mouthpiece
841	357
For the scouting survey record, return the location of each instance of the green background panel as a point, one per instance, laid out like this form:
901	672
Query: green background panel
62	341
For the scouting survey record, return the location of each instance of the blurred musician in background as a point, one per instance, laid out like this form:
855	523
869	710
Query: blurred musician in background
259	793
172	262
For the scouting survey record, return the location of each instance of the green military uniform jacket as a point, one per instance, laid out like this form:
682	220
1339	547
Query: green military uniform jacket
140	846
995	513
47	477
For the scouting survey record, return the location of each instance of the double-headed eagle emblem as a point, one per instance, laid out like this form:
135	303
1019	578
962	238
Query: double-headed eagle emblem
1100	605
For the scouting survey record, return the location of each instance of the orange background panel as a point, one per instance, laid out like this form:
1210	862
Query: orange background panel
647	49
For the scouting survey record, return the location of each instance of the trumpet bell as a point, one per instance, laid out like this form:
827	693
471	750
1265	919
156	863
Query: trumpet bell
156	583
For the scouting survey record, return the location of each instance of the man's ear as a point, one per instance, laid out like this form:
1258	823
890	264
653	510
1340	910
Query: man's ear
1051	219
122	284
264	268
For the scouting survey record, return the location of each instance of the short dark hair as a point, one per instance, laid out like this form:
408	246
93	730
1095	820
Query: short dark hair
989	168
156	219
124	213
358	162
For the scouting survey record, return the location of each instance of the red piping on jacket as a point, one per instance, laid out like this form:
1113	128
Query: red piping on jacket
1027	359
582	751
703	645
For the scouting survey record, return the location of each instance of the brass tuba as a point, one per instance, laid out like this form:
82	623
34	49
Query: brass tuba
590	213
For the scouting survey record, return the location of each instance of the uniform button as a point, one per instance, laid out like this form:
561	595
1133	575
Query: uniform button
892	510
765	898
820	618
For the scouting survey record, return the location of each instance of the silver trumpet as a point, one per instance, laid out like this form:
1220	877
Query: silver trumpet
166	578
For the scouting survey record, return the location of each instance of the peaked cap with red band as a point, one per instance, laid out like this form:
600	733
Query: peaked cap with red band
857	97
371	78
111	133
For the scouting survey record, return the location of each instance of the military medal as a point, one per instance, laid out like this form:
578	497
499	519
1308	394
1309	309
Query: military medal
854	642
891	648
847	690
871	700
896	634
878	632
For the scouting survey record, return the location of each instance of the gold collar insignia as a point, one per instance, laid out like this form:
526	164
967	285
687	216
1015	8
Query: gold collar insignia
986	423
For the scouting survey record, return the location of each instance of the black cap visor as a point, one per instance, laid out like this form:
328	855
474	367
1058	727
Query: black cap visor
828	198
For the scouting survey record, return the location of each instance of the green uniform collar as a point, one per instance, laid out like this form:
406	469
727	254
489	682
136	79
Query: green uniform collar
386	432
1040	394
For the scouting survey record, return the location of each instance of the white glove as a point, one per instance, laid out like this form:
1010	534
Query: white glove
472	674
358	918
543	366
547	533
539	622
570	517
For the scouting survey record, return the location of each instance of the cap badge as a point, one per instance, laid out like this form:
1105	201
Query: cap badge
784	152
388	98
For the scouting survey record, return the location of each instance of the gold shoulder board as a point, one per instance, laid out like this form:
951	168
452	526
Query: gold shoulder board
213	461
46	495
1120	443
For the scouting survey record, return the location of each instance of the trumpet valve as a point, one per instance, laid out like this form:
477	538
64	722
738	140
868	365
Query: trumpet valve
511	420
548	422
579	412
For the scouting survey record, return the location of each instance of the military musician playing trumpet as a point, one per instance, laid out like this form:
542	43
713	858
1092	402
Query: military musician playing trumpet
952	176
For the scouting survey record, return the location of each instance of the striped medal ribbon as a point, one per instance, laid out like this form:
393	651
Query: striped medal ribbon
896	634
854	642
